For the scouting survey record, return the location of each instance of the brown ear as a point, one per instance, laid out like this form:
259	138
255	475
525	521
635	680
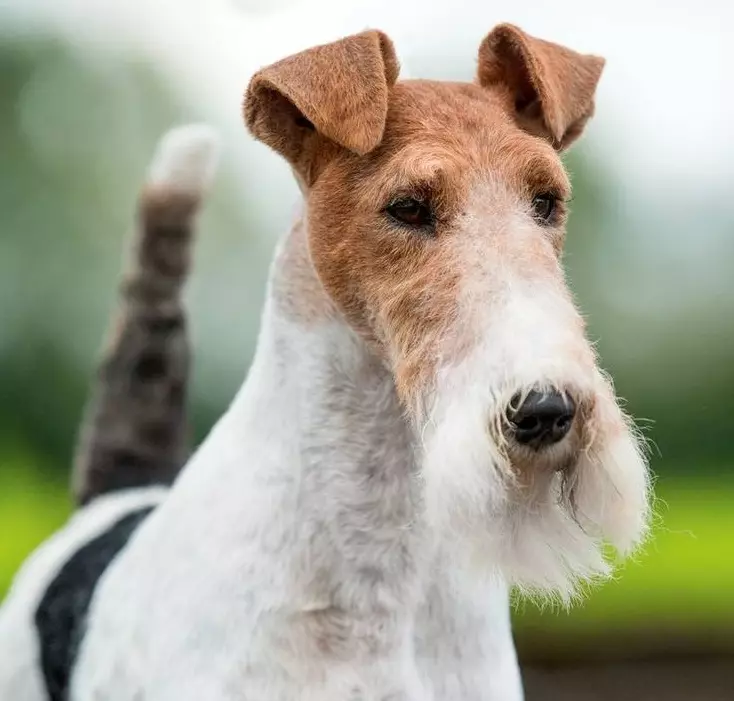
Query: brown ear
551	88
338	90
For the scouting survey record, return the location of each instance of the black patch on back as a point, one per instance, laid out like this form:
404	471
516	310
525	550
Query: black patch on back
61	615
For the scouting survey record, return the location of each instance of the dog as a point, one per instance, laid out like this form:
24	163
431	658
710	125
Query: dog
424	425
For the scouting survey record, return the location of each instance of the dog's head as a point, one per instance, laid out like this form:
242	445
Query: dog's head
436	216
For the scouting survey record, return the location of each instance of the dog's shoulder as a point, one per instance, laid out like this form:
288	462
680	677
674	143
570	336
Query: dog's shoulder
62	611
45	610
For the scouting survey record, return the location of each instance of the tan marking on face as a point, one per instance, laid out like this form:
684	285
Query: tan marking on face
398	287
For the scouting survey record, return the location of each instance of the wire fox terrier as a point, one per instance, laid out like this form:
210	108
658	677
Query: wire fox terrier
424	424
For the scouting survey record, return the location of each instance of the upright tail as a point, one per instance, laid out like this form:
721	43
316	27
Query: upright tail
135	432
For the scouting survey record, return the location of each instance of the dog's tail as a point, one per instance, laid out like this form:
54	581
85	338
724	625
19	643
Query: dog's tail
135	432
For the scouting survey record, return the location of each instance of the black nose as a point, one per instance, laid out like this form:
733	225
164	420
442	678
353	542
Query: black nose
544	418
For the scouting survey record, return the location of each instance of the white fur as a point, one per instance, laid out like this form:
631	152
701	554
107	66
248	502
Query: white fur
528	335
288	562
185	159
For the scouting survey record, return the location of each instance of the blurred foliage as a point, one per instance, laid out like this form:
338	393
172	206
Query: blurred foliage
79	137
76	136
57	183
672	364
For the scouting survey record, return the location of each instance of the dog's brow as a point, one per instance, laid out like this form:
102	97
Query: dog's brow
413	169
546	173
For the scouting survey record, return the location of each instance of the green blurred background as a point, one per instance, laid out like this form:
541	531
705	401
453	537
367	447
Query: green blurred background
651	267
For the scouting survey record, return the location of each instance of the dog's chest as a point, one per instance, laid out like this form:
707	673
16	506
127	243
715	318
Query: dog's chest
463	640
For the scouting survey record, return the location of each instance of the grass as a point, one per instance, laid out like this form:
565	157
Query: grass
680	584
31	508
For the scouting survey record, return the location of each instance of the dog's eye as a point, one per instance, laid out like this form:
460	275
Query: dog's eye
411	212
544	205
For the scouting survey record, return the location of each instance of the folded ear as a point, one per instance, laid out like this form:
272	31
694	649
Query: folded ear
337	90
550	88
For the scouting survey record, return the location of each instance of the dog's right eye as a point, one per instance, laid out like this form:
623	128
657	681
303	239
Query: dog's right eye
411	212
544	205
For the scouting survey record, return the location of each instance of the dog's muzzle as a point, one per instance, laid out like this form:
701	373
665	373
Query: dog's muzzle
542	419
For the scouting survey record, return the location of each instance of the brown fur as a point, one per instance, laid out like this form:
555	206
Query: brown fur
397	288
551	88
338	91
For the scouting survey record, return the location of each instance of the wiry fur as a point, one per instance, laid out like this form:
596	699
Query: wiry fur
303	506
351	526
537	519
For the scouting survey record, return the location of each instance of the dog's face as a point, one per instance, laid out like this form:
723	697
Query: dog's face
436	220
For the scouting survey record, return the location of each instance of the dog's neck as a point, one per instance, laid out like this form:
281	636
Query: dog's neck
318	427
318	406
312	366
306	492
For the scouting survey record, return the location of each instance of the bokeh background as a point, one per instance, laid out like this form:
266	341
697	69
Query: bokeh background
86	88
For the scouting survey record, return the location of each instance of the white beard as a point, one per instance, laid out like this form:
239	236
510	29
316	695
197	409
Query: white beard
541	528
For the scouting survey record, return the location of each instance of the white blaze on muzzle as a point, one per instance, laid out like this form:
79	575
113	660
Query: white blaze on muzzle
536	517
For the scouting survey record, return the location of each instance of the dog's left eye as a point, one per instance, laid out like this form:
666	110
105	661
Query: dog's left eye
412	212
544	205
